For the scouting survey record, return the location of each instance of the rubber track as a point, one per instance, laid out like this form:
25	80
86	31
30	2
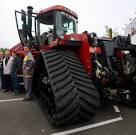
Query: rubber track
75	96
89	97
65	94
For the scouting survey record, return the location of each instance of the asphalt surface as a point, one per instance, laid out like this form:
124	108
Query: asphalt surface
28	118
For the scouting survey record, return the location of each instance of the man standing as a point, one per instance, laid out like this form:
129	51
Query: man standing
1	70
50	36
16	68
28	69
7	63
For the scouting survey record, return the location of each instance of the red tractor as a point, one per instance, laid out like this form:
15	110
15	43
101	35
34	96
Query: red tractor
72	71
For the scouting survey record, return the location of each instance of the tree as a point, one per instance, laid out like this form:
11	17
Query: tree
3	49
109	32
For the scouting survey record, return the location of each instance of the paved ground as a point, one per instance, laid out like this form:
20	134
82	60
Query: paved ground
27	118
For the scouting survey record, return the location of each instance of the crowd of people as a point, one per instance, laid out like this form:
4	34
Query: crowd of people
12	66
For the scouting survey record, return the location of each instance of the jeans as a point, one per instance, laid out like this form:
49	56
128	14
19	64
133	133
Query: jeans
1	80
15	82
7	81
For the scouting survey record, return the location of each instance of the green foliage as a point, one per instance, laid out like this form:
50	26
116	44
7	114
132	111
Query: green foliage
3	49
109	32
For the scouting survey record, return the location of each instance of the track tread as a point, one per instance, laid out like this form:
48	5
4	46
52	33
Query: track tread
89	98
64	91
75	96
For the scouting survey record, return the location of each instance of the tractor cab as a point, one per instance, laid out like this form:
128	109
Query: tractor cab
39	29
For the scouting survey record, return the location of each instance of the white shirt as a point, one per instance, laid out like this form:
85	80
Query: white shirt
7	67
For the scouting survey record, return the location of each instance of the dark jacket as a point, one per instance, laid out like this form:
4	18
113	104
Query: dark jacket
16	65
1	66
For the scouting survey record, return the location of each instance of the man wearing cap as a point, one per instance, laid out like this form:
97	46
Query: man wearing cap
50	36
28	69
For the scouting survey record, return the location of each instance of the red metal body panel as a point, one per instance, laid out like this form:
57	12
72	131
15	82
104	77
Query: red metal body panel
18	47
82	52
119	54
96	50
59	8
85	51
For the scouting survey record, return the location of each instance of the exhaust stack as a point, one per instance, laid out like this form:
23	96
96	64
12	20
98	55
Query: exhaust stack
29	25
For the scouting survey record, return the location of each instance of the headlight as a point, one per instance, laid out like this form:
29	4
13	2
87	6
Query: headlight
72	38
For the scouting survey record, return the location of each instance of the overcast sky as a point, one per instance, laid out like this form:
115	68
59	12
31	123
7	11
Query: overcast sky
93	15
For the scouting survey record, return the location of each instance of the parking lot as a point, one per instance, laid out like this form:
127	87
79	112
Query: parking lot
27	118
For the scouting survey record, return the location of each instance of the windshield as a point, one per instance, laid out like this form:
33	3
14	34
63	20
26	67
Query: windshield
68	24
45	28
65	23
